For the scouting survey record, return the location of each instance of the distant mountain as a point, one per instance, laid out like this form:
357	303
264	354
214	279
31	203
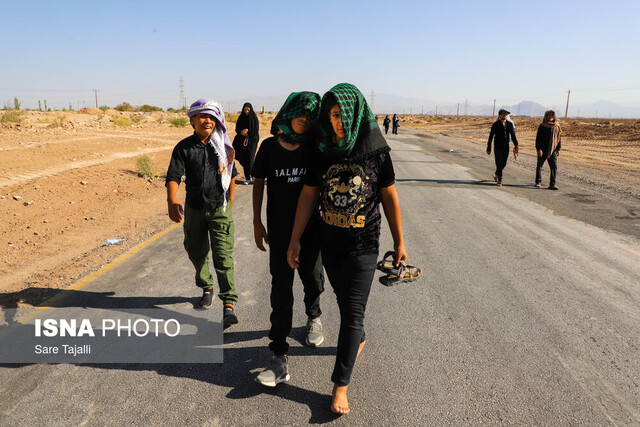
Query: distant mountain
604	109
390	104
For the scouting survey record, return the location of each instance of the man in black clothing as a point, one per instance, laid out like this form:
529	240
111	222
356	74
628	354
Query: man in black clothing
503	131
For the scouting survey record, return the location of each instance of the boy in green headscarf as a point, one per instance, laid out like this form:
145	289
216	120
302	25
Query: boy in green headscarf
283	161
352	175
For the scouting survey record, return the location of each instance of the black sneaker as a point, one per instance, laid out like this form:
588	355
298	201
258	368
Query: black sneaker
229	317
538	185
207	298
553	187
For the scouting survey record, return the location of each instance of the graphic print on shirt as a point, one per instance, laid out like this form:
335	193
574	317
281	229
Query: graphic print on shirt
345	186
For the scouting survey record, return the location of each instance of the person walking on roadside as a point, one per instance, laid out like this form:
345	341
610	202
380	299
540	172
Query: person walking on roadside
351	175
385	124
548	143
246	140
206	160
504	132
283	161
396	124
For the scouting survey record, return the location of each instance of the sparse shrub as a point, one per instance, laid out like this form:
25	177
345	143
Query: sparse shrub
137	118
11	116
104	107
148	108
121	121
125	106
146	168
179	122
231	117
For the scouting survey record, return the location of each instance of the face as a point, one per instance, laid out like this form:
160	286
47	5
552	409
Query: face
551	117
503	116
246	110
300	124
336	122
203	124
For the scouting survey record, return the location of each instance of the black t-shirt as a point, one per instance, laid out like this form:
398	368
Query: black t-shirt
284	171
350	201
199	164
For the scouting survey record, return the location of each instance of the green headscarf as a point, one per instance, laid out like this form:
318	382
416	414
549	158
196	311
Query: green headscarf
297	104
362	134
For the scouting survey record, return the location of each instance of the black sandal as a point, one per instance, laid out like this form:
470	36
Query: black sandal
403	273
386	265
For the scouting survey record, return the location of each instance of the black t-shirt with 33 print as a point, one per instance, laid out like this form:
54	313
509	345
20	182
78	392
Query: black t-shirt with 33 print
350	200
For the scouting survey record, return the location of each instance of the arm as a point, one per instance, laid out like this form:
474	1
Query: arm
391	206
306	204
232	192
176	211
259	232
559	144
513	137
539	142
491	135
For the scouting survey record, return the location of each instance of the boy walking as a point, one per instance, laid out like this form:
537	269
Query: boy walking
283	161
503	131
206	160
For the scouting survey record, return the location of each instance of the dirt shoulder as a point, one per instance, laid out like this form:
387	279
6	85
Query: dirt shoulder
68	182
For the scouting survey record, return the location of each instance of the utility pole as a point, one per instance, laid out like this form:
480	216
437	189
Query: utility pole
566	111
422	113
458	110
182	101
373	98
96	91
466	107
436	110
493	113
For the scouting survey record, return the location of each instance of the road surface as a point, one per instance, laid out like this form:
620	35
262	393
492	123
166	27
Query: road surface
524	315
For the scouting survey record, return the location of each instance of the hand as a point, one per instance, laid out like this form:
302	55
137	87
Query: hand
557	152
260	234
539	153
488	151
176	211
400	254
516	149
293	254
244	132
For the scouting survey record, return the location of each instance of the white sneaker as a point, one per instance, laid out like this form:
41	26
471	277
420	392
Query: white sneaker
315	337
275	373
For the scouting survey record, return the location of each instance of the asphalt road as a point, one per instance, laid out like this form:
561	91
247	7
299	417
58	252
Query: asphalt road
527	313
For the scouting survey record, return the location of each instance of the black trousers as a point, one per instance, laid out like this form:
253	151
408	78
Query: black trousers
245	155
350	277
553	166
310	272
386	129
501	160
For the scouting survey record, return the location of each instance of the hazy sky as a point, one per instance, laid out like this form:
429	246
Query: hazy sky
440	51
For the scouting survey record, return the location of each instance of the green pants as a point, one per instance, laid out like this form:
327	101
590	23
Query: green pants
202	227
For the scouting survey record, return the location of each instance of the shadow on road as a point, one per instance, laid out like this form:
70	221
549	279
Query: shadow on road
238	372
484	183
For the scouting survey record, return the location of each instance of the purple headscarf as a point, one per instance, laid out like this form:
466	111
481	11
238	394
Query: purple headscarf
219	139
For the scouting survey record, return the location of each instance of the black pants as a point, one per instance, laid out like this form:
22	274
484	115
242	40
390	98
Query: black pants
553	166
350	277
386	129
310	272
394	130
245	155
501	160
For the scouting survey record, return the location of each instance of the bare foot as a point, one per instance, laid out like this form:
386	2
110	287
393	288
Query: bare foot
340	404
360	349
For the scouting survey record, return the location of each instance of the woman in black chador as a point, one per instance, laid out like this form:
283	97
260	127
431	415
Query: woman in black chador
386	122
246	140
